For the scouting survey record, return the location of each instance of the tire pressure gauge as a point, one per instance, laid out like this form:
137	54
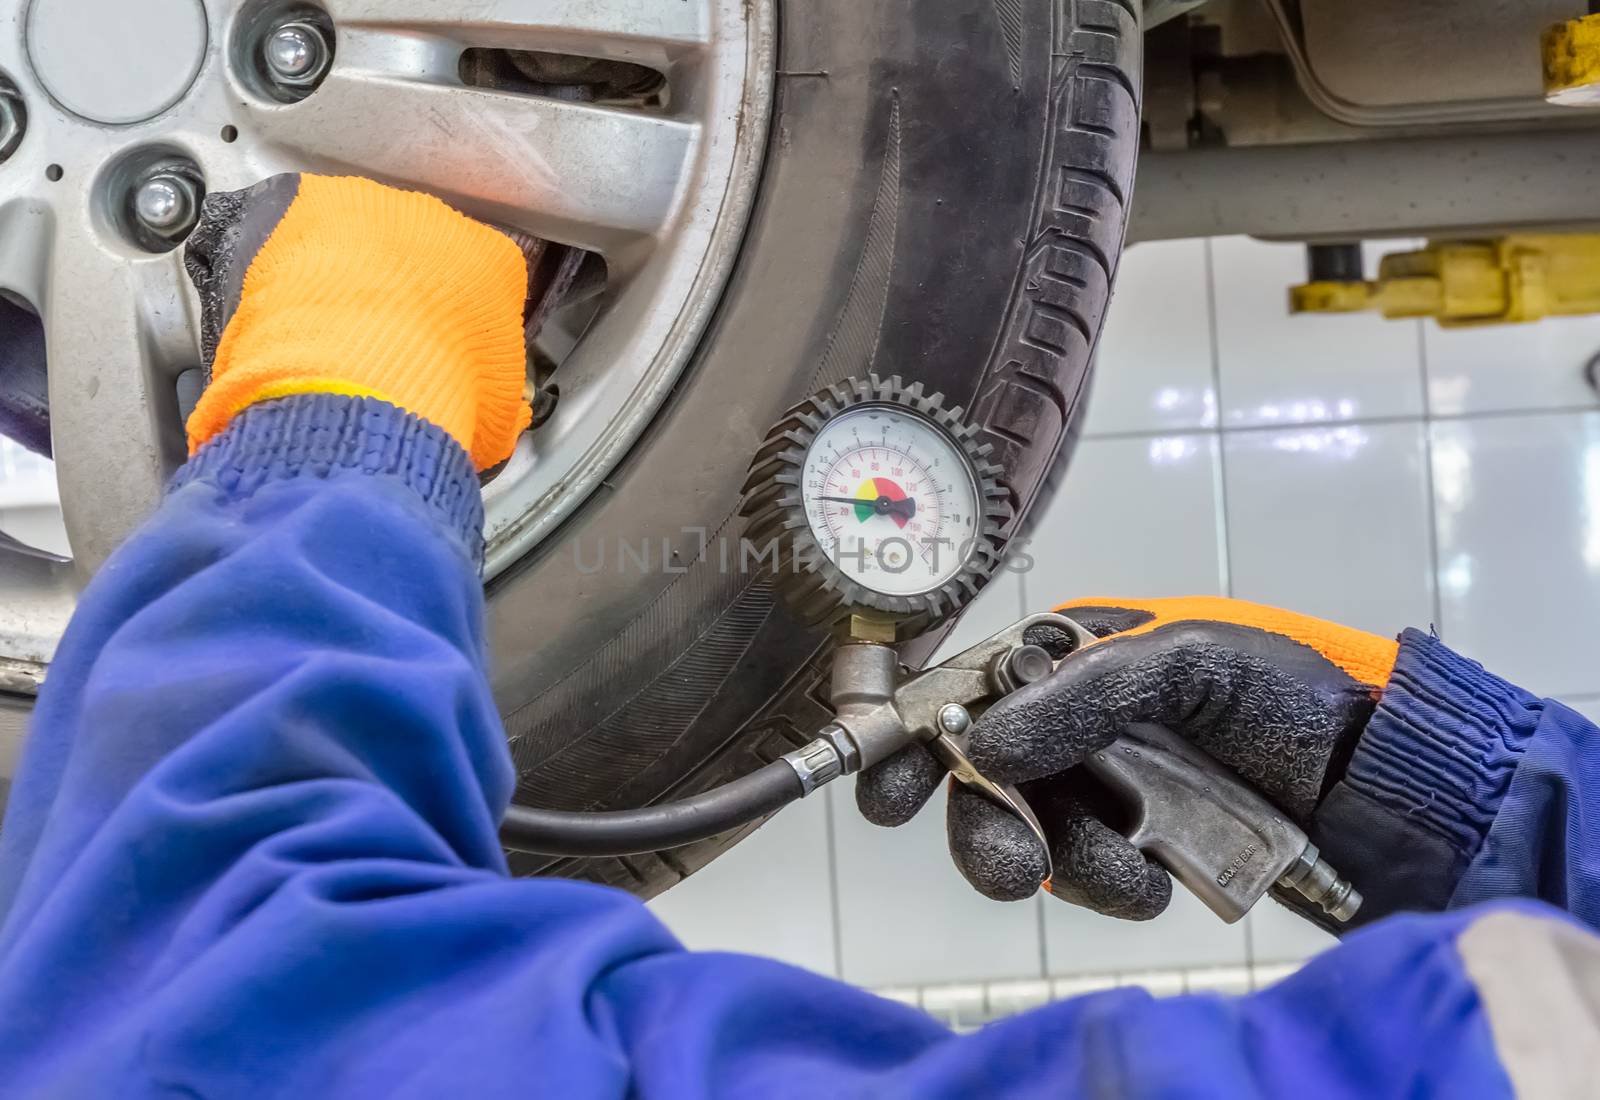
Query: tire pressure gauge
875	510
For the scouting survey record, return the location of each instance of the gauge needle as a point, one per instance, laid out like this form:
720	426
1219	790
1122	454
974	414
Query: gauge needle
883	506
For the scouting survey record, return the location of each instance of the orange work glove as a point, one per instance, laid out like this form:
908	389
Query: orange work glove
1279	698
315	284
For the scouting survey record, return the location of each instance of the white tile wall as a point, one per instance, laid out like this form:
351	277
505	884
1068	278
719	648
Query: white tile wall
1135	516
907	917
1164	381
1511	367
1517	508
1377	473
1281	369
1186	935
748	901
1278	936
1294	497
997	606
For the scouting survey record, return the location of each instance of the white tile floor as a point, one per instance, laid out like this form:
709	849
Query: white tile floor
1378	473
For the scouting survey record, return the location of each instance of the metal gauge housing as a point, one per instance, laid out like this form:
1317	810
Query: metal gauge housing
872	506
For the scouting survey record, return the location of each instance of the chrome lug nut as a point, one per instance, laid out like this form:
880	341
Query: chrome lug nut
13	122
296	54
167	203
160	202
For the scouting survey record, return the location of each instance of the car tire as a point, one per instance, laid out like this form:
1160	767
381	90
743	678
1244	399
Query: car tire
944	198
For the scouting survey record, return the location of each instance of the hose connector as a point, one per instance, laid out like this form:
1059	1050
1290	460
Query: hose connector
820	761
1314	879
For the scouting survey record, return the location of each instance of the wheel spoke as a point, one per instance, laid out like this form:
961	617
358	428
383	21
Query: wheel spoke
635	30
36	600
111	331
584	175
25	232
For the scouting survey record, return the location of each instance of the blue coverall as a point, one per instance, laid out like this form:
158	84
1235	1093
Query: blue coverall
251	850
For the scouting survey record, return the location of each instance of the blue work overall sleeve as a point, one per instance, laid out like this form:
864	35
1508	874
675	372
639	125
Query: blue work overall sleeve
251	851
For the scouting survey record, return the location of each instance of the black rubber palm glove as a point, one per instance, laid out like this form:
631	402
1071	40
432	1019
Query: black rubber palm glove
1280	698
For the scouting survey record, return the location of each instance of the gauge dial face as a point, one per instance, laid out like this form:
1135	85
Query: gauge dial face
891	499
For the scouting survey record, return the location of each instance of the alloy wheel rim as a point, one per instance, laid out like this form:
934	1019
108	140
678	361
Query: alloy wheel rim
661	190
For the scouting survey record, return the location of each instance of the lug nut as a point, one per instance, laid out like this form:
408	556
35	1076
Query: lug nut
167	203
161	204
13	122
296	54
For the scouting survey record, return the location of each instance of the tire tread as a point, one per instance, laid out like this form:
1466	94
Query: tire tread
1031	389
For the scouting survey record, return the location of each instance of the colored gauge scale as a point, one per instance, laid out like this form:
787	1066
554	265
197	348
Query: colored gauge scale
874	499
891	499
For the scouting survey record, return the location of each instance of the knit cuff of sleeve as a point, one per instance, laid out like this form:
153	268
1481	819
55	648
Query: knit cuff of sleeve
1444	741
330	436
1426	779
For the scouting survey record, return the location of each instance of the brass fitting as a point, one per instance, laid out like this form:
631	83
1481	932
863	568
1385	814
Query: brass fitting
865	626
1460	283
1572	62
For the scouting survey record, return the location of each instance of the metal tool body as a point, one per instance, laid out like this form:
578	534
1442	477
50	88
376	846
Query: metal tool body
1216	835
1205	825
876	512
879	709
880	514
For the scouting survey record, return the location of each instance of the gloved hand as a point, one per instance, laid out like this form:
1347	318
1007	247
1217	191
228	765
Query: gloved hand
315	284
1280	698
